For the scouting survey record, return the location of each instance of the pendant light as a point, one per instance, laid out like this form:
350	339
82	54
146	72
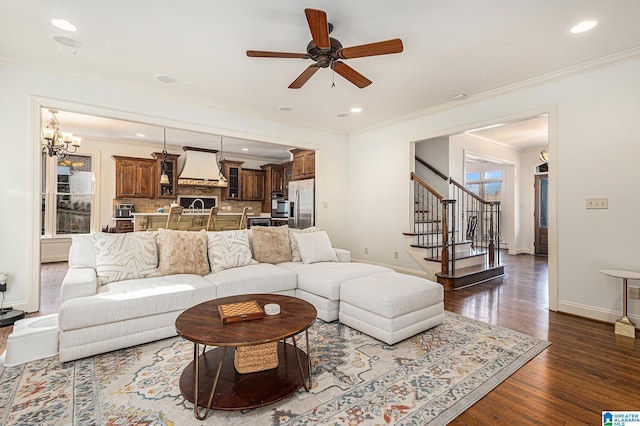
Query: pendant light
223	180
164	178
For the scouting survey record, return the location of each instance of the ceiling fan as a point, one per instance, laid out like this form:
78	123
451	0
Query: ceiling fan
328	52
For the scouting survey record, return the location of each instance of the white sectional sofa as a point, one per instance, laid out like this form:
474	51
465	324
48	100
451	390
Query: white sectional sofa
127	289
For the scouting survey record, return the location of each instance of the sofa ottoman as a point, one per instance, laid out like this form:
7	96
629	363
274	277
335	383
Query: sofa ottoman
319	283
390	306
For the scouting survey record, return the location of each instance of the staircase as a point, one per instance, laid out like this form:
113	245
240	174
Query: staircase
455	239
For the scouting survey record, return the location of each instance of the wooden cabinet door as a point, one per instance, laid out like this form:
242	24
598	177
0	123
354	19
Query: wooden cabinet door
166	190
252	185
232	171
287	176
146	179
135	177
125	179
304	164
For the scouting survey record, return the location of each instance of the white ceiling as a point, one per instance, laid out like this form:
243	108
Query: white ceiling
450	47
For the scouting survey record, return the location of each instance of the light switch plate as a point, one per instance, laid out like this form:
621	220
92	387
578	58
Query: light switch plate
597	203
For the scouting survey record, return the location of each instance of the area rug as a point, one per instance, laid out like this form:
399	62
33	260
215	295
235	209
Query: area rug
428	379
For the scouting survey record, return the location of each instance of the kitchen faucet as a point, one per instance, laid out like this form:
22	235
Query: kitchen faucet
193	205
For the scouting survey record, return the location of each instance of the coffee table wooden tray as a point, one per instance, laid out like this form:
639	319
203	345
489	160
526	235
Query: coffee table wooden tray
242	311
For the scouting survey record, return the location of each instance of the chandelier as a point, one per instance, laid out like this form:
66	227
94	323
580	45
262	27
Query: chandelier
56	142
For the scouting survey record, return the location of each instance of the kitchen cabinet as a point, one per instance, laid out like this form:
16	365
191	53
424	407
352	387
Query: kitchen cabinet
135	177
273	182
287	176
304	164
273	177
166	190
124	225
252	183
231	171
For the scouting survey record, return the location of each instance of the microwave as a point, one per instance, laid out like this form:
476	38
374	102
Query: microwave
123	210
279	206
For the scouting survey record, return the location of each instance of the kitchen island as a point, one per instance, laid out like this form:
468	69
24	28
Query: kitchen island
189	221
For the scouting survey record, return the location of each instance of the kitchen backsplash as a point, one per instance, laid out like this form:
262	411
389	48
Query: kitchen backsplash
145	205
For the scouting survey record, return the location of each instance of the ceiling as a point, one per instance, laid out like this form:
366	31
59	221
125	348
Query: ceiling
450	47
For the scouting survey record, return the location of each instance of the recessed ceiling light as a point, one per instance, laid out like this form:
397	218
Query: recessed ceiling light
140	135
66	41
64	25
285	108
584	26
459	97
356	109
342	115
165	78
245	149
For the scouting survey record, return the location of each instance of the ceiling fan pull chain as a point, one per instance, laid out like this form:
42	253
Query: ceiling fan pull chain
333	76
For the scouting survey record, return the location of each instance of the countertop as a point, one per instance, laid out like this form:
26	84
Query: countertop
191	214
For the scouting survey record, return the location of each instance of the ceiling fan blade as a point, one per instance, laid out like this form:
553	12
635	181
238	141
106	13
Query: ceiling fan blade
350	74
263	54
371	49
317	20
302	78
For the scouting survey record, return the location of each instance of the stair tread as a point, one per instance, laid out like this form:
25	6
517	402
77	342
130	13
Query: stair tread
467	254
471	270
438	245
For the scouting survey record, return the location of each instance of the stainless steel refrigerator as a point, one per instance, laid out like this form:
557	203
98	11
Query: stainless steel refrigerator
302	203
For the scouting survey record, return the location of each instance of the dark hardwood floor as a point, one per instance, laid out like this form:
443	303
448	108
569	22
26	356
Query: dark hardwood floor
586	370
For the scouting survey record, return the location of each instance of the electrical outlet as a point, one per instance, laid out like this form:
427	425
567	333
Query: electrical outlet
597	203
366	250
395	254
634	292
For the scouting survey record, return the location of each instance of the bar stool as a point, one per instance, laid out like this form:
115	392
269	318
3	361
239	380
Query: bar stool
175	213
211	223
243	218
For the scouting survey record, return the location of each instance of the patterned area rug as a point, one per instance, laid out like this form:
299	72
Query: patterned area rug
428	379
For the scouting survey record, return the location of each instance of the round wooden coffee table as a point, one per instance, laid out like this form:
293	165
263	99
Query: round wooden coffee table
211	378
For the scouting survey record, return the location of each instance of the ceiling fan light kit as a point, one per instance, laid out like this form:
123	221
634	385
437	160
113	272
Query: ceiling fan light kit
327	52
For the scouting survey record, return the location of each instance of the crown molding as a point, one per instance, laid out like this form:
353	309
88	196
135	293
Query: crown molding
583	68
65	72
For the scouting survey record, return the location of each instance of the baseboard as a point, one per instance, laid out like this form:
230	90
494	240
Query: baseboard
417	272
592	312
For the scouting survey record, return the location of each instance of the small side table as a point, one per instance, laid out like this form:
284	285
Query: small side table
623	326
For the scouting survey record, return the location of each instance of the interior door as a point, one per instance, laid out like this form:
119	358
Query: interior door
541	214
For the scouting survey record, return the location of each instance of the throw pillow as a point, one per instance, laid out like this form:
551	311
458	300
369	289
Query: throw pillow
229	249
315	247
122	257
183	252
271	244
82	253
295	253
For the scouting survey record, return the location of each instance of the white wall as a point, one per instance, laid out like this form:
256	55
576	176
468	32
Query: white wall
23	89
593	153
435	152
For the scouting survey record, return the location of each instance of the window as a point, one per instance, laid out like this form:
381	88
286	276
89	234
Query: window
67	194
487	184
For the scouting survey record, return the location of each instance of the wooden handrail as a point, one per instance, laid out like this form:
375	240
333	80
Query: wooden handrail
430	167
466	191
426	186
